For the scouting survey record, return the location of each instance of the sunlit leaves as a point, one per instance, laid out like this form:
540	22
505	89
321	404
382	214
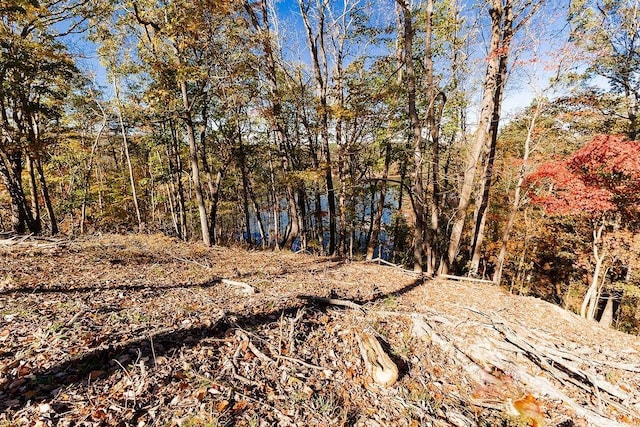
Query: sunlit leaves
602	177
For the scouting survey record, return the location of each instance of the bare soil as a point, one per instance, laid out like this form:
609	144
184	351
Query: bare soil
148	330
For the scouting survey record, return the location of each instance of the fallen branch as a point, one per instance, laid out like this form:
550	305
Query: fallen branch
260	355
561	370
15	240
396	266
621	366
550	363
463	278
385	262
421	329
332	301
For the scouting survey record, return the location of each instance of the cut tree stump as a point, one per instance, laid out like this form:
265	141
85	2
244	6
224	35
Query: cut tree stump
378	364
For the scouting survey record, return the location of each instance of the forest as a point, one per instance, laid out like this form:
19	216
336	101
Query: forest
494	139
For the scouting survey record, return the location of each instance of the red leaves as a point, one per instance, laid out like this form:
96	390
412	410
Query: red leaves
603	176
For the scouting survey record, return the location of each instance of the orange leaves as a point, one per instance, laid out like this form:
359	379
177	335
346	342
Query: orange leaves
222	406
530	409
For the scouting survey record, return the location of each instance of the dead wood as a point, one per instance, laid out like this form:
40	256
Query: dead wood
479	358
556	365
246	289
332	301
395	266
463	278
259	354
421	329
378	364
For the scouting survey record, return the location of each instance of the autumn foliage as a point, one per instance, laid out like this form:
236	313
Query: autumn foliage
601	177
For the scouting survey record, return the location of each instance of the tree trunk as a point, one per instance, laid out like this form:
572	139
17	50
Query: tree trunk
242	160
11	174
416	135
592	293
47	199
478	235
319	61
606	319
433	119
195	168
35	204
178	186
515	205
491	95
374	240
88	171
275	118
274	237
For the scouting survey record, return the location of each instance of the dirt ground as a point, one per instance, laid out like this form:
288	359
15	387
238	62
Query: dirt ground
148	330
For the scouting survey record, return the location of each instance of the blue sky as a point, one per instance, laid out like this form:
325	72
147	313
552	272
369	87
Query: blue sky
520	90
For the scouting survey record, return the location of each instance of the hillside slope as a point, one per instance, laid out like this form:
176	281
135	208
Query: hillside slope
147	330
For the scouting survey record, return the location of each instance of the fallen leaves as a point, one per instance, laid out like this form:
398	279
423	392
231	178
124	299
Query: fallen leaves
157	338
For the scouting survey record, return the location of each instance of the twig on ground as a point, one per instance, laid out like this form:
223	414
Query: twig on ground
192	261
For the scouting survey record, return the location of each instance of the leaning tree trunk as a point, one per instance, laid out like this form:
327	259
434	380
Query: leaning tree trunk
515	205
33	187
478	234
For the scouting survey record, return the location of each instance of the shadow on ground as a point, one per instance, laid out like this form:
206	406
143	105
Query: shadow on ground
41	385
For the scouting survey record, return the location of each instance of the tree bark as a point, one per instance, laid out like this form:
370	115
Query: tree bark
47	199
491	94
35	204
195	168
416	139
89	170
591	296
478	235
374	240
11	174
607	314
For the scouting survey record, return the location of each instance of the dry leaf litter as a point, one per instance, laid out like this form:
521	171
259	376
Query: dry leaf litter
148	330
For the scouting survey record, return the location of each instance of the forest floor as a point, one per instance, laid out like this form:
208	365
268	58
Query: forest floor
148	330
